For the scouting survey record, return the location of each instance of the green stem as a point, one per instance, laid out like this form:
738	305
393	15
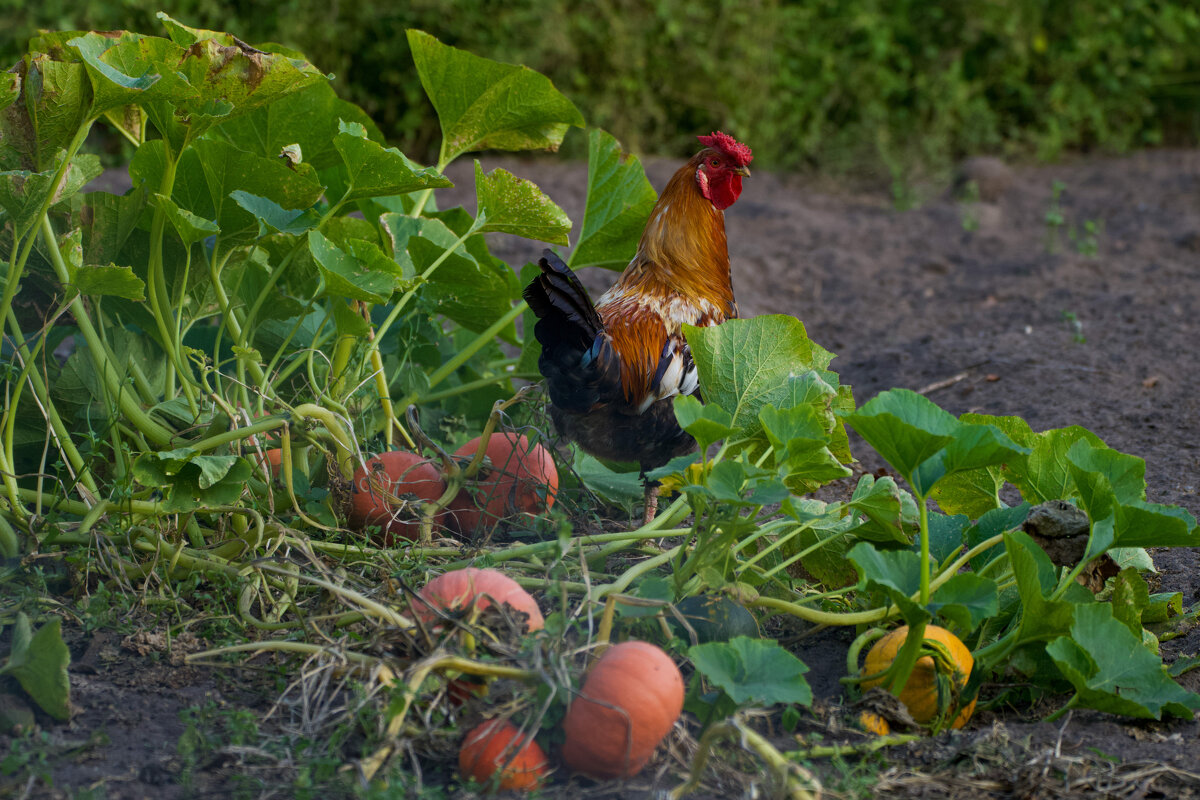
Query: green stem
906	659
477	344
156	285
411	293
467	388
924	510
126	401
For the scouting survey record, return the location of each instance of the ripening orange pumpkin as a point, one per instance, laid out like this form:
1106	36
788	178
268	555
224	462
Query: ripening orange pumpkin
521	479
629	702
385	492
921	693
471	589
497	744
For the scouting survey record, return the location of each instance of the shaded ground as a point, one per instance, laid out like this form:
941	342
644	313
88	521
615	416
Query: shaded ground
983	305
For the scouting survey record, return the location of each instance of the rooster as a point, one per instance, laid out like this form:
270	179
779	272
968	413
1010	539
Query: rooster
612	367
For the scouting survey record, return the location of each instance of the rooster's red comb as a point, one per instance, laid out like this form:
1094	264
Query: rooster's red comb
728	145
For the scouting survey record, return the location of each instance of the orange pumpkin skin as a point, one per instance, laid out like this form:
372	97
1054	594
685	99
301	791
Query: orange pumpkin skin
521	479
476	589
490	745
397	474
629	702
920	694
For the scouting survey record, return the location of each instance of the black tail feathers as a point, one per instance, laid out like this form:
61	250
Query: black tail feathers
568	327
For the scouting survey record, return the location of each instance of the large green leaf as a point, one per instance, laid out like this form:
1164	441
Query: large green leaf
109	279
472	293
310	118
39	663
375	171
191	228
753	671
1111	670
57	96
976	492
351	277
801	443
746	364
889	514
24	193
619	200
111	87
211	170
924	443
483	104
107	220
1041	617
508	204
191	480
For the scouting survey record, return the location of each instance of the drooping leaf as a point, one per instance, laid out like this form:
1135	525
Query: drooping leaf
906	428
23	194
1041	617
211	170
471	293
377	171
484	104
273	217
347	276
824	540
111	87
191	228
897	572
110	280
616	487
39	663
1112	672
619	199
106	221
56	102
753	671
508	204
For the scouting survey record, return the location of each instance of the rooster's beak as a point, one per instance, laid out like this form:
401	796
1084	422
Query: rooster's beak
743	171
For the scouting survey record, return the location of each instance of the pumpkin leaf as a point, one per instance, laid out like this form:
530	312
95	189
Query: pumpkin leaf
1111	670
484	104
753	671
619	199
39	663
508	204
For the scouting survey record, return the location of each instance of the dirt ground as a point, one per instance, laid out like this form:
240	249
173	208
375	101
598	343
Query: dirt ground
985	306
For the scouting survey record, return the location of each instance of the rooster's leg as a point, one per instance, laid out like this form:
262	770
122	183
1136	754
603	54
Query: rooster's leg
651	499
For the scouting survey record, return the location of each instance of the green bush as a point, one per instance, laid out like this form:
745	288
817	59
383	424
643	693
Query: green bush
840	84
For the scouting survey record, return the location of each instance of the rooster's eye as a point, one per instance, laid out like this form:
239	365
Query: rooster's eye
714	163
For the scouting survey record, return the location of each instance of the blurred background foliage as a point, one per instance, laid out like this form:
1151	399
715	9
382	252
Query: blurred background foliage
840	85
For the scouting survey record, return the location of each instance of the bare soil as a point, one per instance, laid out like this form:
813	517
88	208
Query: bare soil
984	306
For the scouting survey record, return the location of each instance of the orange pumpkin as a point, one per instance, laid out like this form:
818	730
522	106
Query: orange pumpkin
521	479
497	744
385	492
921	694
471	590
628	703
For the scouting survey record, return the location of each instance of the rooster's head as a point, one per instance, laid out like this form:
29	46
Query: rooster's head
720	167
